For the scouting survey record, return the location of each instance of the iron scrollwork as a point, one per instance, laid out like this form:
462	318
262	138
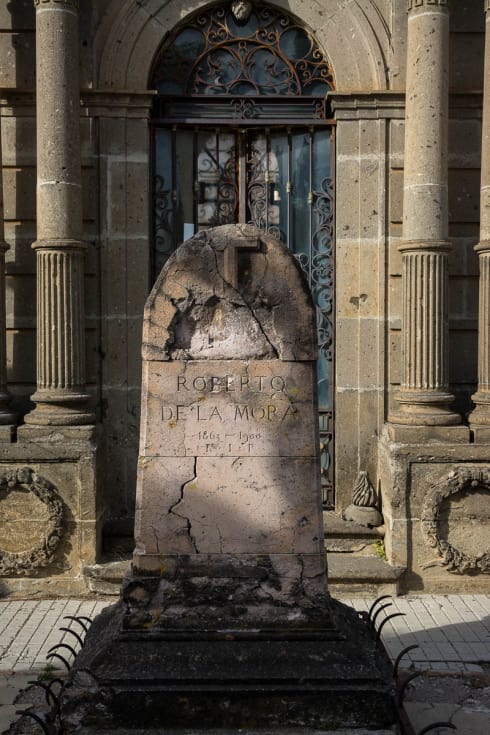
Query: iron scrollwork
269	55
162	217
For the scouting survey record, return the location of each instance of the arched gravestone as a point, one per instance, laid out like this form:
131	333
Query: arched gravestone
225	621
228	497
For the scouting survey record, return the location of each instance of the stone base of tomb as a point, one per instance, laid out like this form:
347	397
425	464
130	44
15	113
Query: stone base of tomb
330	677
214	595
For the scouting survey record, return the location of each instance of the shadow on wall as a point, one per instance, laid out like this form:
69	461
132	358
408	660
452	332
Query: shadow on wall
20	214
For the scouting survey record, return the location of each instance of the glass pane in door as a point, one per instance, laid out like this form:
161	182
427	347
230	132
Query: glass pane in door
216	184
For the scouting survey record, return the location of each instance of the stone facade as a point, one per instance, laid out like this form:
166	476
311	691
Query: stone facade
411	302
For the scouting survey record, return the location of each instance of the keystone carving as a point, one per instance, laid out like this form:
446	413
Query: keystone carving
467	479
24	562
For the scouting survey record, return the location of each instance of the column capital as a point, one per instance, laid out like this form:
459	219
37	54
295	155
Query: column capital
414	4
74	4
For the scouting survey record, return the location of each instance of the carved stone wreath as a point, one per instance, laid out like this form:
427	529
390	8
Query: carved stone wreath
23	562
462	479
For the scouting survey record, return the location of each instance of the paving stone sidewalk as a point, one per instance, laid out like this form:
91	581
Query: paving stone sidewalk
452	632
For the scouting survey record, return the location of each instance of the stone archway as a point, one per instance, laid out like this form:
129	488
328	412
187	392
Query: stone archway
130	34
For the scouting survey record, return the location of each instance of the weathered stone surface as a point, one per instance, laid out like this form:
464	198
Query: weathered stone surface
196	311
50	516
229	465
143	680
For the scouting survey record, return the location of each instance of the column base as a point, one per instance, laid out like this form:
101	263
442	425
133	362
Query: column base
425	408
480	416
60	408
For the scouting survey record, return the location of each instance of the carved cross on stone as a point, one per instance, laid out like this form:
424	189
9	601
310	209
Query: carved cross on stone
232	247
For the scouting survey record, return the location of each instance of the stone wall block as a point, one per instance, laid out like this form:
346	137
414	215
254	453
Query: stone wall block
18	141
114	276
347	369
367	301
90	542
466	58
17	16
463	342
395	300
464	195
88	142
346	446
90	194
20	258
21	301
134	332
21	342
464	144
92	369
20	193
138	267
396	143
348	295
17	51
137	192
348	198
396	197
394	254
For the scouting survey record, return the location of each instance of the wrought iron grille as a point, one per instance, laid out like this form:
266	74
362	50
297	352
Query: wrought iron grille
215	55
242	133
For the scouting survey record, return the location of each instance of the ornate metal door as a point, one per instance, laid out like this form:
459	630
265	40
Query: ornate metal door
242	133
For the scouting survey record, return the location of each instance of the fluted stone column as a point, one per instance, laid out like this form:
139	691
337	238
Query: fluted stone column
60	396
7	418
481	413
424	396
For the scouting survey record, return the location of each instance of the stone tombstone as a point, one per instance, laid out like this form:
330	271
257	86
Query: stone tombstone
225	622
228	497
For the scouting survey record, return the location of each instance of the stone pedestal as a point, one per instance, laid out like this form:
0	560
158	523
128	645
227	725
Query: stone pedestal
226	621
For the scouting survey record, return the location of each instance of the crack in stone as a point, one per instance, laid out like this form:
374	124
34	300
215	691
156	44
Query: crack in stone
302	576
248	306
155	535
172	510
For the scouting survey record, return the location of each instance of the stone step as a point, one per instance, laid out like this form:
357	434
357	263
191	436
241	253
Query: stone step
347	536
351	575
105	578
